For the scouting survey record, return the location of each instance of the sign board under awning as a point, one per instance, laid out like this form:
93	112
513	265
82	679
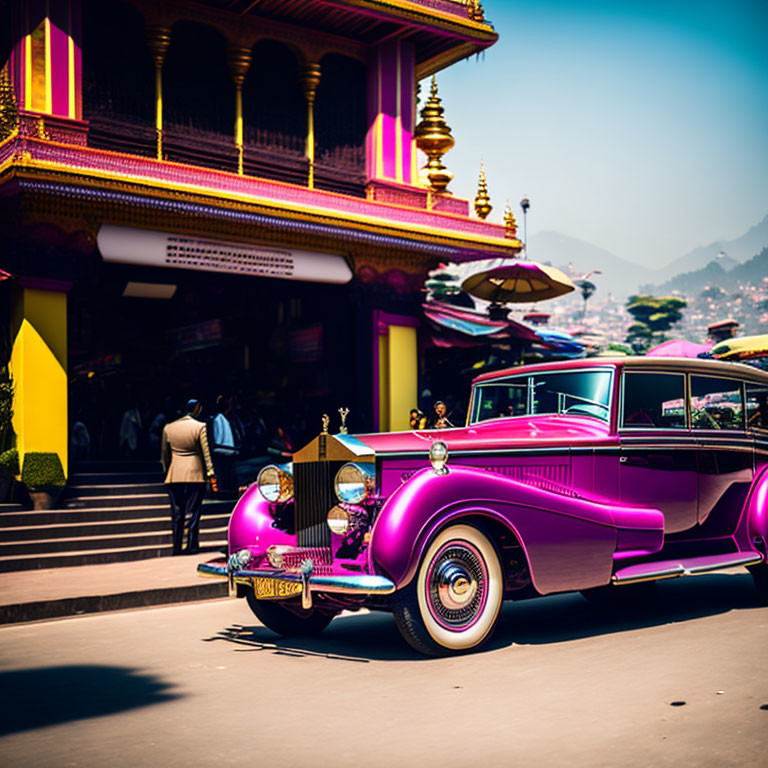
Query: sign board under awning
125	245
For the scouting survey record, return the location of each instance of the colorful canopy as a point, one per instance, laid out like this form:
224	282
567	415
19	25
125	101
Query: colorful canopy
743	348
678	348
513	281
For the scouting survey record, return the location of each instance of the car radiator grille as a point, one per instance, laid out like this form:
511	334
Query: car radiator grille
314	497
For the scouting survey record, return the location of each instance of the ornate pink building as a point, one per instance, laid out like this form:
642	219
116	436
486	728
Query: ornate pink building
225	195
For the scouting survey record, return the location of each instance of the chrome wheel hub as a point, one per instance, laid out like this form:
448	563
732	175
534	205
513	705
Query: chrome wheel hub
457	585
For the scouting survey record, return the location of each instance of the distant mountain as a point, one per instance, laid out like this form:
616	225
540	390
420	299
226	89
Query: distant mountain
713	274
740	249
619	277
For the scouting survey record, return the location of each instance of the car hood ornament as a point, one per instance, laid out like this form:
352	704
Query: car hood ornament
326	422
344	412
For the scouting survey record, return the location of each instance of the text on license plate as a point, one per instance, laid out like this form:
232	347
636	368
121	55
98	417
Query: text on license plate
265	588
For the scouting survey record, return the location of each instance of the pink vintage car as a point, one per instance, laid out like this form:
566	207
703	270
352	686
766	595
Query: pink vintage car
586	475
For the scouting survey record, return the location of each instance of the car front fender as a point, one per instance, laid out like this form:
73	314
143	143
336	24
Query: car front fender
250	525
570	542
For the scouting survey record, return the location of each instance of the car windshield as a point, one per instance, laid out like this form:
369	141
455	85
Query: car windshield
586	393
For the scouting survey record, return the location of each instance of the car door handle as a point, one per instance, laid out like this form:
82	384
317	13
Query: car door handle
634	461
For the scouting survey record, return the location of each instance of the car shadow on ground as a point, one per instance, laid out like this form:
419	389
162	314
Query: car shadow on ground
555	619
43	696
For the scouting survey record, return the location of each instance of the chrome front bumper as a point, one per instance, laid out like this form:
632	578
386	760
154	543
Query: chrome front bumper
352	584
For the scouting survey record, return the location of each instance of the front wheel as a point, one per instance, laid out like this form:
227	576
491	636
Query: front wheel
284	621
453	602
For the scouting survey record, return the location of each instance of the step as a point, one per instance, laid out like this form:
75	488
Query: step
153	538
109	478
104	528
10	507
145	499
95	514
117	465
95	557
113	489
669	569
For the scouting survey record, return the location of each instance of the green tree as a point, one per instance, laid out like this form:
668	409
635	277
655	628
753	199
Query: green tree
654	316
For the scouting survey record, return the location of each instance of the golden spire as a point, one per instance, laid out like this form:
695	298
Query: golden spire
482	201
433	137
510	225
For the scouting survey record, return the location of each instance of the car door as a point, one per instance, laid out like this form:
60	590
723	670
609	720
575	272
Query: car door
657	452
726	454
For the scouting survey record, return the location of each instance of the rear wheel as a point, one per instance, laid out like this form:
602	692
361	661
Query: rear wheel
285	621
453	602
760	577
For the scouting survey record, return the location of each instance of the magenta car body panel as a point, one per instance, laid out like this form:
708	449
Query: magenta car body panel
569	541
581	474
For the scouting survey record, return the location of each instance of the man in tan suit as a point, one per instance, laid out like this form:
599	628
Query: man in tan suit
187	463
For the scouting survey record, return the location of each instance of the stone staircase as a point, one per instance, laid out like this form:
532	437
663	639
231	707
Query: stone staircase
110	512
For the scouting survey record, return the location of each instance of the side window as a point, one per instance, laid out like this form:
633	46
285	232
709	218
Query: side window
757	406
654	400
716	403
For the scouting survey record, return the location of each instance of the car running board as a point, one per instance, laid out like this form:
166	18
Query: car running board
688	566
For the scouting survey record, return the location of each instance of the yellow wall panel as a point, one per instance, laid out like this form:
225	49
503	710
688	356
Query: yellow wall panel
403	375
38	367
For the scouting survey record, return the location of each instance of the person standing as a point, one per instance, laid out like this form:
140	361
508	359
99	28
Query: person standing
224	448
187	463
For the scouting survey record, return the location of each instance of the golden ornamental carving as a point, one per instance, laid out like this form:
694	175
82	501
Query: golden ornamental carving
158	39
239	61
475	10
510	224
482	201
310	80
433	137
9	110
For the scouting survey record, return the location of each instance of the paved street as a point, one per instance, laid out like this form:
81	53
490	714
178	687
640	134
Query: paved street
563	683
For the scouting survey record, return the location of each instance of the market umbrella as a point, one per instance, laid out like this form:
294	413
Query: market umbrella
678	348
507	281
744	348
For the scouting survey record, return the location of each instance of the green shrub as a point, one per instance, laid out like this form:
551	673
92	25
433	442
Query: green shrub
42	469
9	462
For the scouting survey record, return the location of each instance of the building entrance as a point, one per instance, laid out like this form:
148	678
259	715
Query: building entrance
144	340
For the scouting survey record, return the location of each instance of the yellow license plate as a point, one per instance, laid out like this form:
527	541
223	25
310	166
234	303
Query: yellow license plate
265	588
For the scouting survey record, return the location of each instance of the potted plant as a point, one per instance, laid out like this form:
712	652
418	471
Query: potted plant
9	468
43	476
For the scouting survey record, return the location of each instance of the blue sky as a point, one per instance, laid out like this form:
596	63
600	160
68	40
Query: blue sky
639	127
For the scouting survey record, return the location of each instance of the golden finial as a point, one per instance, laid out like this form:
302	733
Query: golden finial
482	201
433	137
510	225
475	10
326	422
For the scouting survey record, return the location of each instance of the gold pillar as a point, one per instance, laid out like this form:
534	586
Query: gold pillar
158	39
39	369
239	60
310	80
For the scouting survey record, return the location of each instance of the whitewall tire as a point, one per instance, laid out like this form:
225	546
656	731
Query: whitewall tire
453	602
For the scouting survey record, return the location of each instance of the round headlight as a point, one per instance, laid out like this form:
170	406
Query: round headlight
338	521
438	456
275	483
354	482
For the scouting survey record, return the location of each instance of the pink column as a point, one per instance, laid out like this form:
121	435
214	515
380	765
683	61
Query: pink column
390	152
45	63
